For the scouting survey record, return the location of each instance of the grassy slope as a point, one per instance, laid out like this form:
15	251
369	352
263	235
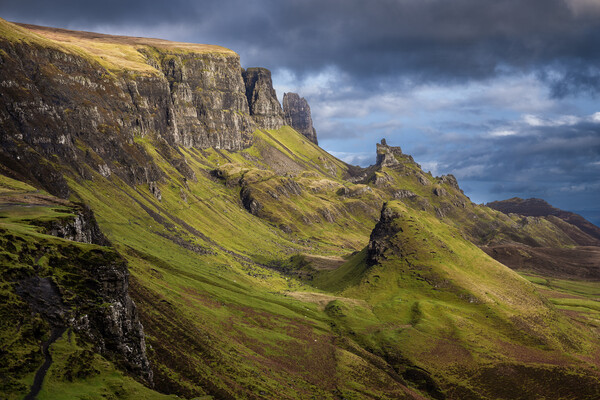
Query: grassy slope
115	53
78	373
452	310
205	291
26	252
219	321
196	256
271	338
576	298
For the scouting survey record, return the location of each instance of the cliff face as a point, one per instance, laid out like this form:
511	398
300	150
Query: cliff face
207	106
57	102
262	100
94	113
80	284
380	239
386	154
112	324
80	228
297	115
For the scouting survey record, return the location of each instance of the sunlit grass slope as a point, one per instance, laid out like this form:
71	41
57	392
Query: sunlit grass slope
25	251
115	53
440	302
213	259
199	263
199	260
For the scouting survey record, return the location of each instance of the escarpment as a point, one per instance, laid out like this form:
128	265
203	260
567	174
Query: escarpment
62	273
262	100
298	116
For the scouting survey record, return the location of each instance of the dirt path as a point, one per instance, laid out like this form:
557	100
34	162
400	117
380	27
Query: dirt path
41	373
322	299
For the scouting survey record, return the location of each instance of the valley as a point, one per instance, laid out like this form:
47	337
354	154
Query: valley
198	245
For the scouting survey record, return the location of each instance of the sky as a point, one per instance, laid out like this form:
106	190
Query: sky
504	94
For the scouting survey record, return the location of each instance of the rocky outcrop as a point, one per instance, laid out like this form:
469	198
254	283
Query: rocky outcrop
80	228
249	201
440	191
379	240
77	282
85	288
112	322
386	155
404	194
67	105
450	180
262	99
297	115
91	297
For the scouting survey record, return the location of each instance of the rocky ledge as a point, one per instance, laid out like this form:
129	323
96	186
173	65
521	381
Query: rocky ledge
297	115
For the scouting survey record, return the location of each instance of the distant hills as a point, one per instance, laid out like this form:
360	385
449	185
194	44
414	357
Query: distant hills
540	208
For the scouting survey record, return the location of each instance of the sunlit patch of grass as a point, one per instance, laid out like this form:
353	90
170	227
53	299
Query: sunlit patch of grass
114	53
77	372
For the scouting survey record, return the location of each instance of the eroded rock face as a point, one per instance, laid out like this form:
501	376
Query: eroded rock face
81	228
450	180
262	99
379	240
115	327
102	311
93	299
297	115
60	105
208	105
251	204
386	154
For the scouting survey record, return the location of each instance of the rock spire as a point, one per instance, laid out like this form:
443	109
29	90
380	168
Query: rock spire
297	115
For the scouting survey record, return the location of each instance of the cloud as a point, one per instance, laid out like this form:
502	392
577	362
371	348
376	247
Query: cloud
362	159
502	93
403	42
503	132
557	155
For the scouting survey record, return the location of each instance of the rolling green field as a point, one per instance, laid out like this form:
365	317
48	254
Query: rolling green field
289	301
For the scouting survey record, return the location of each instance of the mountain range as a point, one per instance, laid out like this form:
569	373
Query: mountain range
168	229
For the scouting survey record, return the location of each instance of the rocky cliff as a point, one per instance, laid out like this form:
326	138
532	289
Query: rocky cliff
297	115
94	113
380	239
71	280
60	102
386	155
81	227
262	99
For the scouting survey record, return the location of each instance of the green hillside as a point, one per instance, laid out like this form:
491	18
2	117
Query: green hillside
259	268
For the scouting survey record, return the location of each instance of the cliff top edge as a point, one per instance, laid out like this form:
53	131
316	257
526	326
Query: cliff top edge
113	51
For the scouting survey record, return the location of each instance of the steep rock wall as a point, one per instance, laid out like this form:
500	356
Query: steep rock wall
63	105
82	287
297	115
262	99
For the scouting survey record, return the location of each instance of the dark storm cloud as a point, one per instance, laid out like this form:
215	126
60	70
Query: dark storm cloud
534	159
82	14
559	163
419	41
489	62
